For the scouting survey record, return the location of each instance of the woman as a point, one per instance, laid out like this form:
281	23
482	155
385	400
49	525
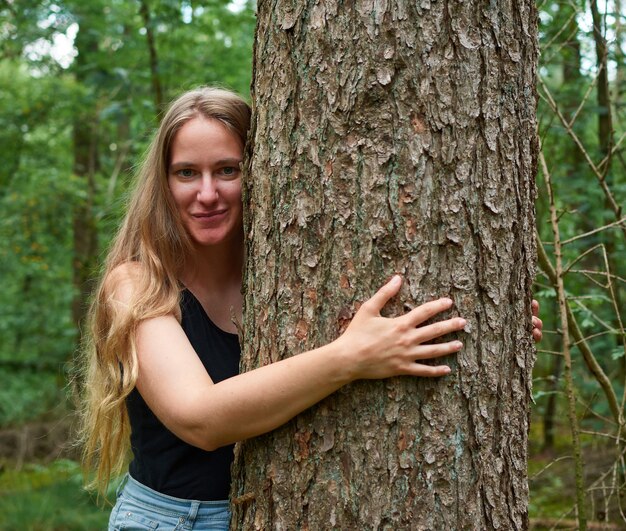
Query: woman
163	352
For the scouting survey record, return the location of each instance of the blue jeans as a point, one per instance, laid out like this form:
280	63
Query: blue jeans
141	508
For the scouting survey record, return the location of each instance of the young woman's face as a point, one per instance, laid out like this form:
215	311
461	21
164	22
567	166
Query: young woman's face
204	177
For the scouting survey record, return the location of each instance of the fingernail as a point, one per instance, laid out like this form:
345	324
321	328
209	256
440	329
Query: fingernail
447	370
397	279
447	300
462	322
457	344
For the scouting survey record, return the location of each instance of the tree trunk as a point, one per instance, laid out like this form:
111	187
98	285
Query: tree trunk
392	138
605	127
85	165
157	91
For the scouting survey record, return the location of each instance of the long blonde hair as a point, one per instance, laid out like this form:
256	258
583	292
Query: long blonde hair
152	235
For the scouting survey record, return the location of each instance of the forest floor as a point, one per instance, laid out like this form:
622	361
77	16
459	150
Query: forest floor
553	489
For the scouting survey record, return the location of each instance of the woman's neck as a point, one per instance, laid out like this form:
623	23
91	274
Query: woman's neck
214	276
215	268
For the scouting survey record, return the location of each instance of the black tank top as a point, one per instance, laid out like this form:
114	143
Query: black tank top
161	460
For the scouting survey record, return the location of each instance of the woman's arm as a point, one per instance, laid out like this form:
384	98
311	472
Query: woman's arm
177	388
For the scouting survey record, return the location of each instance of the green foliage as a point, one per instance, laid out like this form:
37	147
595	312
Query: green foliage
28	394
36	332
104	99
48	498
548	498
571	86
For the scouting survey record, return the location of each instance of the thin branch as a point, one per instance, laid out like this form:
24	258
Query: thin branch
596	317
551	352
569	382
595	231
558	33
548	58
614	149
599	434
617	209
592	85
537	474
590	360
119	163
587	338
581	256
594	281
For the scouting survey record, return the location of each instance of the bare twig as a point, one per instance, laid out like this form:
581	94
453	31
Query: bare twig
537	474
581	256
592	85
580	341
569	382
594	231
589	272
617	209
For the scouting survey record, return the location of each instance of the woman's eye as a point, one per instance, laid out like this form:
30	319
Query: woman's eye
230	170
185	172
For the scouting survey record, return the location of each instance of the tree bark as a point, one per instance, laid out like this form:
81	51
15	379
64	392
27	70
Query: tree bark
392	137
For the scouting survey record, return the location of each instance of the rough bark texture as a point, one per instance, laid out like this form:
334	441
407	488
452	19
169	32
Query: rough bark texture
393	137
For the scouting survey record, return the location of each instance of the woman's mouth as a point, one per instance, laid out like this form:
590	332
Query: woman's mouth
214	215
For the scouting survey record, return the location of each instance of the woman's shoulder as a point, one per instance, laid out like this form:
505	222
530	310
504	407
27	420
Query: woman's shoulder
123	282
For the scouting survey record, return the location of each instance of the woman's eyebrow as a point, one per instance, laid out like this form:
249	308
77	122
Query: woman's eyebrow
178	165
233	161
183	164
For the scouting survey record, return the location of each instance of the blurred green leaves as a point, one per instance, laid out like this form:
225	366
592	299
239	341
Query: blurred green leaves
43	99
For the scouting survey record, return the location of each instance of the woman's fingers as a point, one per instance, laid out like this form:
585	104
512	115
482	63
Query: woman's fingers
427	310
384	294
537	323
428	371
535	307
537	329
432	351
393	346
424	352
441	328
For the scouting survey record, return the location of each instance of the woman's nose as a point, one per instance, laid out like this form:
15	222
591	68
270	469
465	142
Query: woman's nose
208	190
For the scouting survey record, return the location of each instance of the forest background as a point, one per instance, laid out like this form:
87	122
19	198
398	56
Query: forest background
82	85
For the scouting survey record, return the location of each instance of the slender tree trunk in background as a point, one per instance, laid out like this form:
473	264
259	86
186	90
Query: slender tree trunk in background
605	126
606	142
393	139
154	62
620	81
84	168
550	413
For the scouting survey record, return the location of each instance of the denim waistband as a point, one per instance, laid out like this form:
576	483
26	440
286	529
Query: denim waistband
169	504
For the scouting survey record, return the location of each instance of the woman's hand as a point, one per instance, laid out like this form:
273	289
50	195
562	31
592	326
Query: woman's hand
537	324
384	347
